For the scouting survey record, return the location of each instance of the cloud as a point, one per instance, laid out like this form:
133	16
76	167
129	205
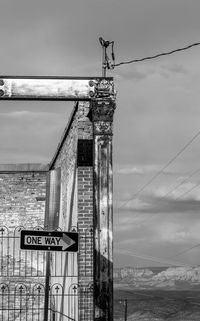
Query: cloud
142	169
30	136
173	232
127	222
184	190
161	260
151	205
135	73
144	71
159	198
26	114
129	170
175	69
165	235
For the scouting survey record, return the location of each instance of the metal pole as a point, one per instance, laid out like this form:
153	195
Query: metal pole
46	301
104	61
51	222
47	276
104	45
125	310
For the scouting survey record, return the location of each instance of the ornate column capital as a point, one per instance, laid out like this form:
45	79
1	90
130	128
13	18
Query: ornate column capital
102	111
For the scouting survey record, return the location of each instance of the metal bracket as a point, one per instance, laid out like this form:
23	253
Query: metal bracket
102	88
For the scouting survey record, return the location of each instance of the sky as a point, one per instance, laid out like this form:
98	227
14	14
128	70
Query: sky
158	110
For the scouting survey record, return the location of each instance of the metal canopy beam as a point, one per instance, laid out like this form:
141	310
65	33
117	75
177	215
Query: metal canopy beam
55	88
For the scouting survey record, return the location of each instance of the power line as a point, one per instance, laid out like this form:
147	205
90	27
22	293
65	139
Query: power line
111	65
151	258
184	251
185	193
181	183
162	169
158	259
176	187
172	190
157	55
188	191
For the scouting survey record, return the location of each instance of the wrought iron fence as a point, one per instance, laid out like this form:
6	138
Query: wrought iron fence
26	303
22	281
18	263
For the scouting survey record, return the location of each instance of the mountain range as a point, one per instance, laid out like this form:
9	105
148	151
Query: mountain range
169	278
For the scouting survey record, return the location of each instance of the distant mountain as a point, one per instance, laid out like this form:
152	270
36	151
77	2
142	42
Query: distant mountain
170	278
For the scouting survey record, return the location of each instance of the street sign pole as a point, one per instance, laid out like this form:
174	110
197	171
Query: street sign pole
48	259
47	279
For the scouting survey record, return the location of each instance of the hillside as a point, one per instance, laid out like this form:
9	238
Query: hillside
173	278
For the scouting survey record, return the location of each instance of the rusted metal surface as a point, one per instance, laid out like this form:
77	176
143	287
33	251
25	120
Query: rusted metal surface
55	88
102	115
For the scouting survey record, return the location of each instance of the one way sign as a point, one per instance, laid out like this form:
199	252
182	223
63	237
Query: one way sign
49	241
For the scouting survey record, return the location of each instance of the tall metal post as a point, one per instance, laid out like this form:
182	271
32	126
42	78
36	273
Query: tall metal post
104	45
52	208
104	62
47	280
47	275
102	116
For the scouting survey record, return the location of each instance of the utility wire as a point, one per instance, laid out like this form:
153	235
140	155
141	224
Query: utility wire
188	191
181	183
155	214
172	190
184	251
157	55
162	169
151	258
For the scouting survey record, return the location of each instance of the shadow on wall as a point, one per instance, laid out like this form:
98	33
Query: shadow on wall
103	288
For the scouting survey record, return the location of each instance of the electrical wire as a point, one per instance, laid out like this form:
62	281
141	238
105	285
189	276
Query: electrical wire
181	183
162	170
188	191
151	258
155	214
174	158
184	251
185	193
172	190
157	55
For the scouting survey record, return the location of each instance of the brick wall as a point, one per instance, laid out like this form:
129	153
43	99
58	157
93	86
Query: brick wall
22	204
85	224
18	192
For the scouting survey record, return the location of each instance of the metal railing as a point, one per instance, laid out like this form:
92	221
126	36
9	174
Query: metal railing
19	263
22	280
22	302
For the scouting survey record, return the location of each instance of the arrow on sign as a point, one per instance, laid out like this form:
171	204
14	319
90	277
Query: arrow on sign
66	241
49	241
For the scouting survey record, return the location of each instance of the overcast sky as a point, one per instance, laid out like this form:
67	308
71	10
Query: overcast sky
158	109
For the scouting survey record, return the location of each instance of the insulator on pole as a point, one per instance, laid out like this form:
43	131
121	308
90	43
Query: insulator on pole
105	61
